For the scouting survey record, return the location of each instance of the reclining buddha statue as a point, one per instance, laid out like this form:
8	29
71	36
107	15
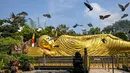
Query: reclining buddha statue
97	45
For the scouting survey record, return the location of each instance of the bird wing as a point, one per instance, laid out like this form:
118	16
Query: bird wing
127	5
88	6
121	7
106	16
125	15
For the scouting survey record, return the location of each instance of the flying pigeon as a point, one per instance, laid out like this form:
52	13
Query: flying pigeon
88	6
76	25
125	15
102	17
90	25
47	15
123	7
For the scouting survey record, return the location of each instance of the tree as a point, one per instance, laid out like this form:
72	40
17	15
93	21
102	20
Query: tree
108	29
71	32
84	32
122	35
1	22
119	26
26	33
49	30
61	29
7	44
94	31
12	24
5	59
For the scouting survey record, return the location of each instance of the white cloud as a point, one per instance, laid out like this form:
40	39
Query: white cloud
98	10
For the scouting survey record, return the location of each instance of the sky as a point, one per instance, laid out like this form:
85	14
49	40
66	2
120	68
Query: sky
67	12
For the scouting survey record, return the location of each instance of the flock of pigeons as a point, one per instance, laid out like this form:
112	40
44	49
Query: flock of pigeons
102	17
87	4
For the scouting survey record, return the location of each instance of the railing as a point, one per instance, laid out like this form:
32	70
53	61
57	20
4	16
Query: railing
55	62
64	62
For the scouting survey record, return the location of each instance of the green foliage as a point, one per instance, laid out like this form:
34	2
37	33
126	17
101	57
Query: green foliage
71	32
8	41
23	57
1	22
5	59
119	26
94	31
61	29
84	32
1	64
108	29
26	33
122	35
49	30
6	44
7	30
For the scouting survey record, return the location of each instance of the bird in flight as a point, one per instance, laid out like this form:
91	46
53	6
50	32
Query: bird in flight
76	25
102	17
125	15
123	7
88	5
47	15
90	25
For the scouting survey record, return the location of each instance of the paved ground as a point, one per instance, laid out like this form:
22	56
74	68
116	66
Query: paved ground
106	71
48	71
64	71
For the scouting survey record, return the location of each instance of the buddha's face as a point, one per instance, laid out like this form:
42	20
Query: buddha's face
46	42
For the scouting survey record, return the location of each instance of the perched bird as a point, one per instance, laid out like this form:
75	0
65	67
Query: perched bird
102	17
20	29
47	15
76	25
125	15
88	6
104	40
90	25
123	7
39	29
